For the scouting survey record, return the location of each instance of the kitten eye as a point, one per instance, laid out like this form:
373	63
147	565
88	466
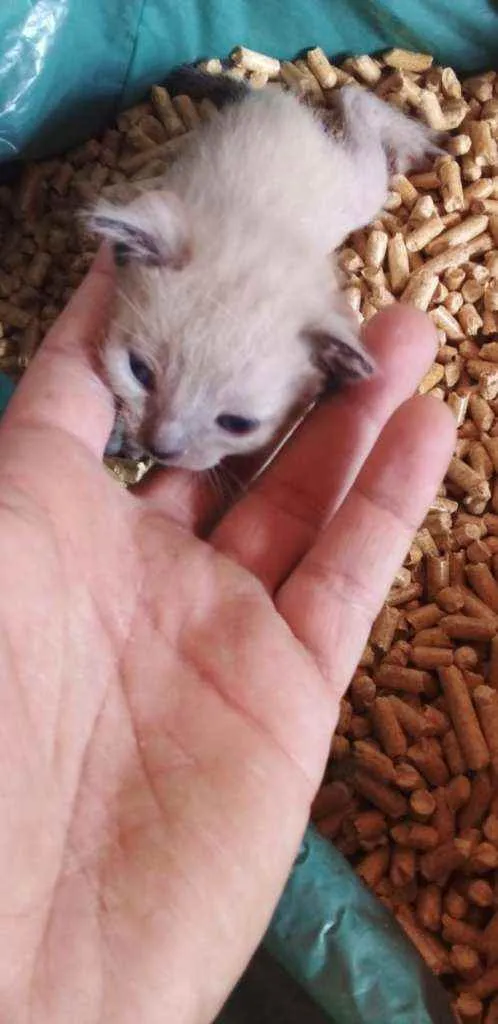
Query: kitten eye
141	371
236	424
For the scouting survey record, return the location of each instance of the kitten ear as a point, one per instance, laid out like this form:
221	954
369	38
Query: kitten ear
338	351
151	230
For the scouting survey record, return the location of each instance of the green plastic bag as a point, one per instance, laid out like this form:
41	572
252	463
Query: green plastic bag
346	949
6	390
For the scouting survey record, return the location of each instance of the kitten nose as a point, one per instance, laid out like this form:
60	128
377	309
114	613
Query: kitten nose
167	440
165	456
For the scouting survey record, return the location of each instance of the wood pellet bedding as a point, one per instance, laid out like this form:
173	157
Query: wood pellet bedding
410	792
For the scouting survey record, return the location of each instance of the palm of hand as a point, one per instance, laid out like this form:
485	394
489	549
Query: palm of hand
166	711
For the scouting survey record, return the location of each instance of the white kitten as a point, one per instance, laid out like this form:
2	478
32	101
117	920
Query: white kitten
228	311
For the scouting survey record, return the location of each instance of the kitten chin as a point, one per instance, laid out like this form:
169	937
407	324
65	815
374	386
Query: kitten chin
121	445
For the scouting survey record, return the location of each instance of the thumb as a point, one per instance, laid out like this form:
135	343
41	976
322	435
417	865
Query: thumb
61	388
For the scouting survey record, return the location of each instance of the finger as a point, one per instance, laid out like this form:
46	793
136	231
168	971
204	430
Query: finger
333	596
272	527
199	500
61	387
193	500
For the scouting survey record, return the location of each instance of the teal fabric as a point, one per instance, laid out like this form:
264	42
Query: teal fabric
67	65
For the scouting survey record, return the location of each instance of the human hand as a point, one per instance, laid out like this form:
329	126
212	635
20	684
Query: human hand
168	701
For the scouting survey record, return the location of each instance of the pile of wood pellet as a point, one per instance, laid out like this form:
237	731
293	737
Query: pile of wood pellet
409	794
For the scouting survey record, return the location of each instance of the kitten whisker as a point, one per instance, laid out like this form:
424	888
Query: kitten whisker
214	483
208	297
133	306
233	485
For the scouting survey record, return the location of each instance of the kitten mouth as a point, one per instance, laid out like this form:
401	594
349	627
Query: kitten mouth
132	450
165	463
171	461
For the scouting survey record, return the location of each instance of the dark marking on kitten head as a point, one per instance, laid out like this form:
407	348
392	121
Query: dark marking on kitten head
199	85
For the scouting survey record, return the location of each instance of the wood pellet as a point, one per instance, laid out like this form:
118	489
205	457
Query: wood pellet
409	794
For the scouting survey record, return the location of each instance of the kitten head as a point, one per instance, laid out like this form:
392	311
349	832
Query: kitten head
213	343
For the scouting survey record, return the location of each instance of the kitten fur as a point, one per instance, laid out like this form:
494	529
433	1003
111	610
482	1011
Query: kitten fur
226	288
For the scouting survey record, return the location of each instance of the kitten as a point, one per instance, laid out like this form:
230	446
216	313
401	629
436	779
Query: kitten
228	311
